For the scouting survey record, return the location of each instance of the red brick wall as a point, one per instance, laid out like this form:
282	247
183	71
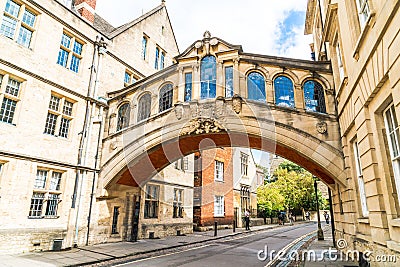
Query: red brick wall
84	12
91	3
211	188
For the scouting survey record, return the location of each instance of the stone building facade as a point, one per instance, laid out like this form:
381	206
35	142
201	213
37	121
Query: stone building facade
361	38
57	62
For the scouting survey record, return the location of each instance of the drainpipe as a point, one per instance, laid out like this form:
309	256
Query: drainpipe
85	138
102	51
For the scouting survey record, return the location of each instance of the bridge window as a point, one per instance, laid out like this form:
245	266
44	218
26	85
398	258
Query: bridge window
284	94
256	87
123	116
166	94
188	86
144	107
208	76
314	96
229	81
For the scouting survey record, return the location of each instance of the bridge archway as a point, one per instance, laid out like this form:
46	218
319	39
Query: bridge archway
308	139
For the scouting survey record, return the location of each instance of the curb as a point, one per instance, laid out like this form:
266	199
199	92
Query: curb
170	247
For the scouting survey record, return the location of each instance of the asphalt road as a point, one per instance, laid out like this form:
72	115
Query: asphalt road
238	251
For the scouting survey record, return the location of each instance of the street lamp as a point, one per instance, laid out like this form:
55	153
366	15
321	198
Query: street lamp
320	232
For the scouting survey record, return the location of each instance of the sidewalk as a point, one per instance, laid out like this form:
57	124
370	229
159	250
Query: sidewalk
322	246
111	251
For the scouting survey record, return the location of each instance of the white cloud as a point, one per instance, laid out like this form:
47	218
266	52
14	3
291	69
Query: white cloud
254	24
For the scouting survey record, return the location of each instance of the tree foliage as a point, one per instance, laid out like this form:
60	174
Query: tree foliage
292	189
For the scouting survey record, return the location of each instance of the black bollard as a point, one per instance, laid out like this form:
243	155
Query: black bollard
215	228
234	225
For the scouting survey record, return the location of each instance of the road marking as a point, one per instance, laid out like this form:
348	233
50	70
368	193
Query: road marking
160	256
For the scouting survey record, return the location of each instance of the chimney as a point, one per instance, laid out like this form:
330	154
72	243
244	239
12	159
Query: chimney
86	8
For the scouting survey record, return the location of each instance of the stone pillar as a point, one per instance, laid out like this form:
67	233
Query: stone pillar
270	92
181	86
298	97
236	74
196	81
220	80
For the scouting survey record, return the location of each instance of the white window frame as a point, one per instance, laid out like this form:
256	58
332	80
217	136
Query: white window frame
60	115
339	61
4	80
394	143
364	11
50	194
20	24
360	181
219	171
219	206
244	163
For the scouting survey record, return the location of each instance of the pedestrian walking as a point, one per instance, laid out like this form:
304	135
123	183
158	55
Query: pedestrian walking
326	215
291	218
307	215
247	219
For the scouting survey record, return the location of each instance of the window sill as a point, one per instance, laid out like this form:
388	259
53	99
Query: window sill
361	39
364	220
219	216
219	181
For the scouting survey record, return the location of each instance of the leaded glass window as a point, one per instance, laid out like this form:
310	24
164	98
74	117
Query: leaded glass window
178	203
151	201
219	171
52	204
284	93
219	206
156	59
229	81
165	98
144	107
123	116
69	45
40	181
208	77
363	11
36	205
55	181
144	47
314	97
162	60
188	86
256	87
10	98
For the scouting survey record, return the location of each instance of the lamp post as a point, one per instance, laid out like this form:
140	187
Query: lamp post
320	232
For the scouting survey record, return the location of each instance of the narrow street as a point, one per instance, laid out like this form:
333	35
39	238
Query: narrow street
238	251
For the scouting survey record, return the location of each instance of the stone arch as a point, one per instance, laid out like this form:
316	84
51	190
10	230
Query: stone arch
286	72
165	142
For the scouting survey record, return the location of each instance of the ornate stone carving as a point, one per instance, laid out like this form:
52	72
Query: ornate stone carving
207	34
237	104
178	111
201	126
219	107
206	110
322	127
113	145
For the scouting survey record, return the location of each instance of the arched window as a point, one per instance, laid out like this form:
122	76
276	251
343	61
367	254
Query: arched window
314	97
284	94
256	87
208	77
165	98
123	116
144	107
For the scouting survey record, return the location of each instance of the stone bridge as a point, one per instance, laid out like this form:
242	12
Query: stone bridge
215	95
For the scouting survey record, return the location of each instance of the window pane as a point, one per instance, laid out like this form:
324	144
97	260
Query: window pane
40	181
12	8
156	60
144	47
284	94
64	127
52	204
24	37
62	57
78	48
188	87
208	77
54	103
67	109
162	60
314	97
144	107
165	101
7	110
29	18
13	87
55	181
65	40
36	205
50	126
75	63
8	26
256	87
127	78
123	116
228	81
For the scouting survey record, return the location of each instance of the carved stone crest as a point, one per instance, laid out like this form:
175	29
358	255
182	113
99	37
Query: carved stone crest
178	111
237	104
322	127
201	126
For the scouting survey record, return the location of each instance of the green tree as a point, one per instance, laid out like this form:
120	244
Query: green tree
269	199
